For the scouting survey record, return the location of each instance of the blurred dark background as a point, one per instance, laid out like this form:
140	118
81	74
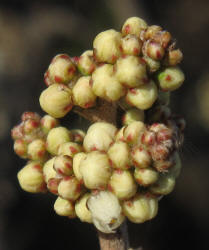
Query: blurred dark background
31	33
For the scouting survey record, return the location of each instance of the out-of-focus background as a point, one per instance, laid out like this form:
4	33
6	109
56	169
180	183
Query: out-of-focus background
31	33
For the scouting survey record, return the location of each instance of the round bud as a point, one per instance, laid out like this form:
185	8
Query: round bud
53	184
162	37
48	170
37	150
106	211
77	159
132	115
144	96
56	137
69	148
105	84
122	184
64	207
141	158
78	135
30	115
21	148
61	69
108	128
141	208
173	57
95	170
86	64
83	94
153	50
152	65
163	186
69	188
133	25
17	132
82	210
63	165
151	31
56	100
170	78
30	126
131	45
145	176
131	71
48	122
107	46
165	161
118	154
31	178
132	133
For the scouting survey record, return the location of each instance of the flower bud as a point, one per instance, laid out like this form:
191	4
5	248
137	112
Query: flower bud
108	128
69	188
107	46
173	57
48	122
78	135
106	211
141	208
162	37
131	45
64	207
82	210
83	94
144	96
133	25
145	176
163	186
151	31
131	71
95	170
152	65
133	132
61	69
162	165
170	78
30	126
17	132
132	115
20	148
86	64
37	150
56	100
56	137
105	85
63	165
48	170
30	115
141	158
154	50
122	184
77	159
53	184
69	148
31	178
118	154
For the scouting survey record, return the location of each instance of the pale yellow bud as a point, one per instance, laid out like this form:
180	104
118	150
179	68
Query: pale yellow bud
144	96
152	65
141	208
86	64
83	94
132	115
107	46
122	184
48	122
120	135
56	137
63	165
77	159
61	69
133	132
37	149
146	176
64	207
133	25
56	100
69	148
21	148
141	158
69	188
106	211
119	155
95	170
31	178
78	135
131	71
105	84
48	170
108	128
163	186
82	210
131	45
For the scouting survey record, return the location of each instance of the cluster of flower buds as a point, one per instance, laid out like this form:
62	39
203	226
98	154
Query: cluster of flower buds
108	173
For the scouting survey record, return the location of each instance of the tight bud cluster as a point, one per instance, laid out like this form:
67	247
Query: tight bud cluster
108	173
